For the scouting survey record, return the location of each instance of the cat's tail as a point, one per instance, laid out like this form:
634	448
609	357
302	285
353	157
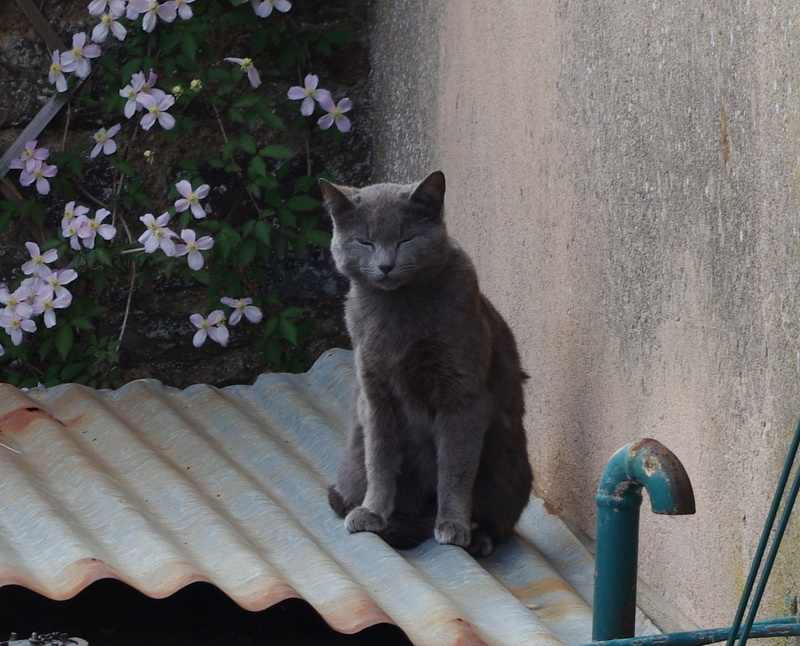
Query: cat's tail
402	532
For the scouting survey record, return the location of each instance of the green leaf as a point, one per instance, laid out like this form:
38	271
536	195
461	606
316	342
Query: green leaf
276	151
262	231
289	331
80	322
247	143
247	252
64	340
98	255
247	100
227	151
257	168
292	312
201	276
272	120
271	326
287	58
286	217
72	370
305	183
46	346
302	203
318	237
126	168
189	46
226	241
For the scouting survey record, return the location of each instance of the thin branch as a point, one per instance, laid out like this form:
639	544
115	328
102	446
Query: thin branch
128	302
66	126
219	121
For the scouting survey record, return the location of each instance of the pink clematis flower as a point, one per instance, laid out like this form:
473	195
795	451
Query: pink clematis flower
193	247
99	7
335	113
71	211
248	68
109	24
309	93
55	73
184	10
75	228
47	306
139	87
157	111
16	302
40	174
157	235
131	105
145	85
76	60
30	157
95	227
54	283
191	198
263	8
212	326
242	306
151	10
37	265
104	141
14	325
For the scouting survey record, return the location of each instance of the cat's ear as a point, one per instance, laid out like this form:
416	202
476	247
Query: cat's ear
430	192
336	198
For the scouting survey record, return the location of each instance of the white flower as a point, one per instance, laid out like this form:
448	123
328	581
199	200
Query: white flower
242	306
193	247
104	141
191	198
247	66
37	265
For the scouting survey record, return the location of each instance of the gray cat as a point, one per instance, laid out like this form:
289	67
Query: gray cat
437	445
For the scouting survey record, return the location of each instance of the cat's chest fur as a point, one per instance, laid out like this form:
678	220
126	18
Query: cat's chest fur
425	343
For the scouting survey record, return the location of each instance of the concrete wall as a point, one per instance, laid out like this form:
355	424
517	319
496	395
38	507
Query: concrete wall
625	176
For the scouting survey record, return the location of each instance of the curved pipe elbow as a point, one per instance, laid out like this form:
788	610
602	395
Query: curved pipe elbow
646	463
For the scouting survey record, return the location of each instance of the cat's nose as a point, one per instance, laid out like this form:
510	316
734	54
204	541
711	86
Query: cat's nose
386	268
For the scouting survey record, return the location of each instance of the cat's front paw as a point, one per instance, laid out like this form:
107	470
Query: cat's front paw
362	519
452	533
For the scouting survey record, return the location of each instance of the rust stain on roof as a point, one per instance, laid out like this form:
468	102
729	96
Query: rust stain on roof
160	488
18	420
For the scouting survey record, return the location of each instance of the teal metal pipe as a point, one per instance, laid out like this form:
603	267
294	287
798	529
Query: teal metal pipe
645	463
782	627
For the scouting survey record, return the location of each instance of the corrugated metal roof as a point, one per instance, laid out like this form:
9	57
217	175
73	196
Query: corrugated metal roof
160	487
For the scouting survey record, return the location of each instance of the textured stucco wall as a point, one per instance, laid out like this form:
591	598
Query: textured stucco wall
625	176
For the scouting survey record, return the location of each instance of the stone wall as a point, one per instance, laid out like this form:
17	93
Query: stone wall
625	176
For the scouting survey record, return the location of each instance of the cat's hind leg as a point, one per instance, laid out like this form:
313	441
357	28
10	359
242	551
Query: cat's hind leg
351	478
502	489
338	503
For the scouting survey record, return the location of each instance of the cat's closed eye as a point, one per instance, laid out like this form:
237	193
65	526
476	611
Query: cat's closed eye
404	240
365	243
